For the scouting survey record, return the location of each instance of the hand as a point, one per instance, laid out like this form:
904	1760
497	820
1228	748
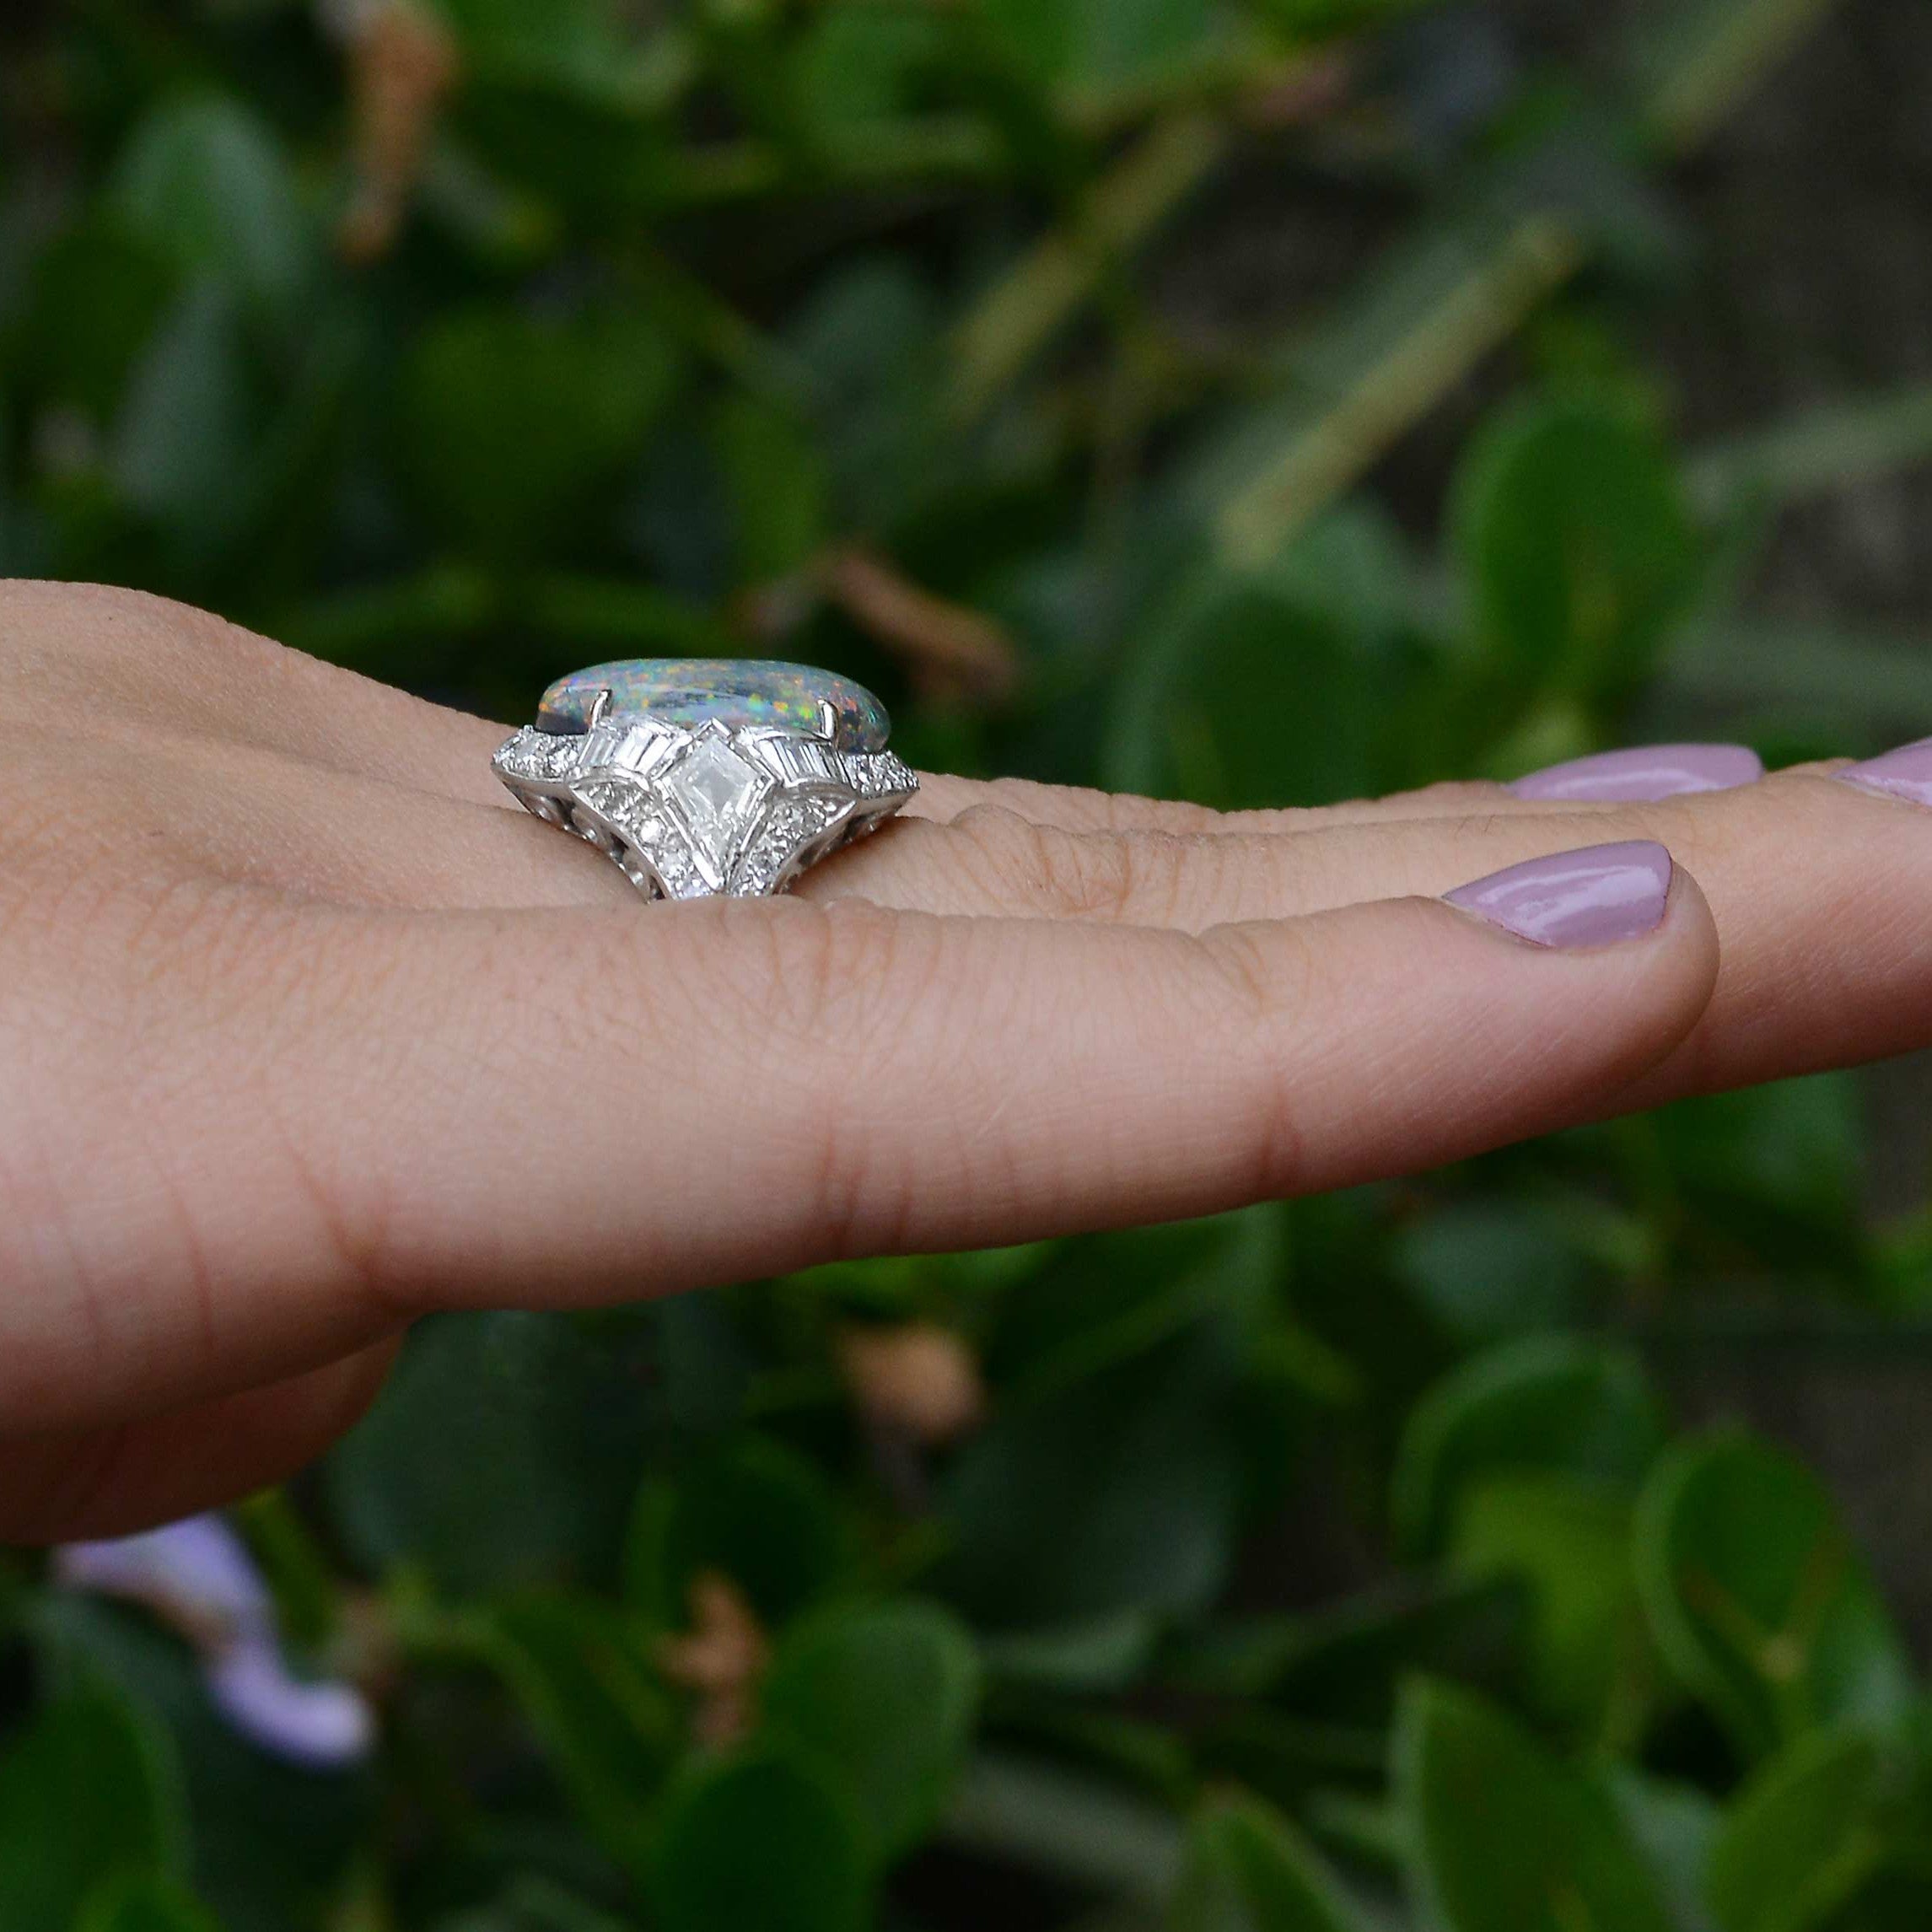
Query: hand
306	1031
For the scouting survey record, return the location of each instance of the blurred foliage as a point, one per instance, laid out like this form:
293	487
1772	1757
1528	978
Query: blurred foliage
464	346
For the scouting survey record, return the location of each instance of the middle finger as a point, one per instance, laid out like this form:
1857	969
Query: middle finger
1821	892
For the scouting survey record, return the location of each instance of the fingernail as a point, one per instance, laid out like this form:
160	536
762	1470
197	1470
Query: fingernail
1645	771
1906	773
1595	897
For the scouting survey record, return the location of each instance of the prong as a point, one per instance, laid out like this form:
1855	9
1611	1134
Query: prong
827	720
598	705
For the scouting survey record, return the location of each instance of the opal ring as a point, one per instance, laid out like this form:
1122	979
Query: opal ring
703	776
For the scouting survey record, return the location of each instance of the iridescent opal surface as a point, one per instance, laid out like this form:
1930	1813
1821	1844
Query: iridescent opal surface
736	691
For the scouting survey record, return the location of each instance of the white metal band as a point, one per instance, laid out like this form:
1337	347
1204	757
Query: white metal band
690	815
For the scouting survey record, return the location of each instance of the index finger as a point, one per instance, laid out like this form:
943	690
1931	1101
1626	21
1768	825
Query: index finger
308	1126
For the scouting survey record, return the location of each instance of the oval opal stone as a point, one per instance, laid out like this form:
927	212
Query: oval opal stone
736	691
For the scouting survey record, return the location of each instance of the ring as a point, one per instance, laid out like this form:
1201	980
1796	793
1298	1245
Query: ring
703	776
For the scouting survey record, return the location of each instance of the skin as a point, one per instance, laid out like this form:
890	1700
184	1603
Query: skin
306	1031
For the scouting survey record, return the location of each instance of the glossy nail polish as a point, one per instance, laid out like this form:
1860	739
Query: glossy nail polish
1906	773
1645	771
1597	896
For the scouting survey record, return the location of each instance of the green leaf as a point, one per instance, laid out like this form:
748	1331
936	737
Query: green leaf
513	424
883	1697
1757	1598
1102	1653
1818	451
535	1904
1780	1161
1312	18
864	341
1897	1898
1488	1269
777	484
1569	1541
1248	1870
268	1835
1246	691
1545	1404
1435	302
1041	38
96	296
88	1794
1672	1825
144	1905
1576	544
1053	281
1104	1300
503	1452
1114	1491
1295	1762
568	42
858	69
204	181
1095	45
755	1509
1085	1831
1872	687
760	1840
1505	1835
1342	1664
582	1678
12	538
182	442
1692	65
587	137
1799	1837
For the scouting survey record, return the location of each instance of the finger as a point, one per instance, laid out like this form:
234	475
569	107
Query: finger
1607	779
1823	892
64	1485
409	1112
992	862
943	798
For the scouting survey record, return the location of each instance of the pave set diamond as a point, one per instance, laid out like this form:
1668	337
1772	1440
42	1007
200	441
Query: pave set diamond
688	813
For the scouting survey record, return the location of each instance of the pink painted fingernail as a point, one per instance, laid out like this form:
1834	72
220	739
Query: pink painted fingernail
1645	771
1906	773
1595	897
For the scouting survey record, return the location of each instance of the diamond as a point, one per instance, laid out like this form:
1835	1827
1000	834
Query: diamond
789	829
534	755
555	757
681	878
625	745
719	793
600	747
664	847
882	774
603	795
